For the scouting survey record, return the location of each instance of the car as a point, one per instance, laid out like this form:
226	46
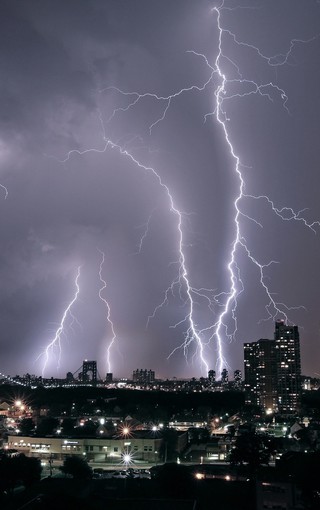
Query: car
133	473
120	474
144	473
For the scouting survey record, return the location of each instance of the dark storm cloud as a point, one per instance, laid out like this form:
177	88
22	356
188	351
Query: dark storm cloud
57	61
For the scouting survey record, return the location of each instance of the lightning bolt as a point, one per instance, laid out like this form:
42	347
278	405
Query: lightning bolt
224	88
145	232
56	341
273	308
5	191
226	300
192	333
104	286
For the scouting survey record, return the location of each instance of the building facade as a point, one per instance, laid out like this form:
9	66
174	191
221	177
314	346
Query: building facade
143	376
96	449
287	347
272	371
260	374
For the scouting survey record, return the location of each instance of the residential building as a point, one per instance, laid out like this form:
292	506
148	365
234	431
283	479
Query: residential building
287	346
143	376
272	371
224	377
212	376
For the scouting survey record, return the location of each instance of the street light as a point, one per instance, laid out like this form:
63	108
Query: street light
127	459
125	430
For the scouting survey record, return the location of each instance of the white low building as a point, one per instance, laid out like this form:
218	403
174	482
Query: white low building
141	446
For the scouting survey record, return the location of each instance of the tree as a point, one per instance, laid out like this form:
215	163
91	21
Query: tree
88	429
47	426
28	468
76	467
68	425
20	468
26	426
252	449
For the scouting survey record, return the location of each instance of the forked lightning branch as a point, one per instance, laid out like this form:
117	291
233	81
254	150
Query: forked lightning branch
223	304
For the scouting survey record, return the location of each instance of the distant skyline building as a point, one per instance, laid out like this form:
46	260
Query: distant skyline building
143	376
212	376
273	372
224	377
237	378
109	377
260	374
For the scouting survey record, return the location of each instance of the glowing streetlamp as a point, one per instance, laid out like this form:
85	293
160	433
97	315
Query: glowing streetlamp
125	430
126	458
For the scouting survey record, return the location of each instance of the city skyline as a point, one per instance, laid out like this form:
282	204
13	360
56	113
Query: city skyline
271	375
121	185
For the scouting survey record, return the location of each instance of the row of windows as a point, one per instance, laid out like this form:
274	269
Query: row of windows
115	449
90	448
33	446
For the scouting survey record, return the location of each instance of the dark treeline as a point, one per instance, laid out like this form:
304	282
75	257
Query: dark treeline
156	404
143	404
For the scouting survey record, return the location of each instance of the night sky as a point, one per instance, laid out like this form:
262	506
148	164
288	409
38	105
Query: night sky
63	67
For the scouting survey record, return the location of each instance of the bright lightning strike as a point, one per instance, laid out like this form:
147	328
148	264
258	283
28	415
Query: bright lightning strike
228	299
223	90
273	308
104	286
56	341
192	333
5	190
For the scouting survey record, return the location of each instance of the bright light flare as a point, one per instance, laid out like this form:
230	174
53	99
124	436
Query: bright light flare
127	458
125	430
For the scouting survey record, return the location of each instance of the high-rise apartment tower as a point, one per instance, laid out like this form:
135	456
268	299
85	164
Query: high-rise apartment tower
272	370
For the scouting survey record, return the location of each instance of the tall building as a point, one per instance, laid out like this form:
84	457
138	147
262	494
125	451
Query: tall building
224	377
287	345
260	374
212	376
272	370
143	376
